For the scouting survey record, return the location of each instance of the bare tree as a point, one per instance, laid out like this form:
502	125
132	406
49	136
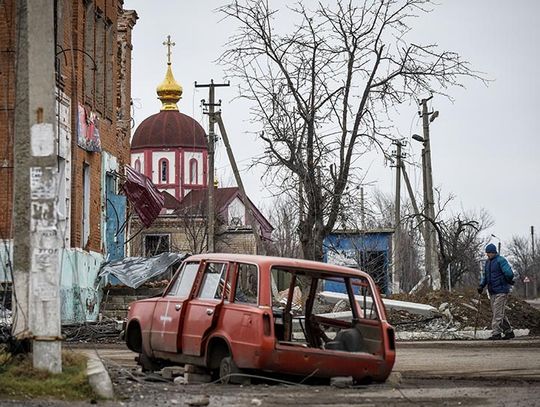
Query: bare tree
460	245
284	218
323	92
525	264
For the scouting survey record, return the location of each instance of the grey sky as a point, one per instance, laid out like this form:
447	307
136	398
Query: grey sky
485	145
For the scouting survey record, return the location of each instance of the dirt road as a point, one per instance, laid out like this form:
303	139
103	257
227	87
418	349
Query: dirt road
453	373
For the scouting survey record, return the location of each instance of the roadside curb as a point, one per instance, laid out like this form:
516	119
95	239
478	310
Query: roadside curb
98	376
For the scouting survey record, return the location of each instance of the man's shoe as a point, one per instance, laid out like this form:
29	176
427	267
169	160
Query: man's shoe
496	337
509	335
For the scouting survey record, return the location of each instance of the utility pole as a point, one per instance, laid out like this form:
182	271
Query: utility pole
532	242
249	210
36	238
397	269
211	149
431	251
362	209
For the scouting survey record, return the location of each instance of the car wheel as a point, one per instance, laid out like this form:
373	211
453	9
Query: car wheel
147	364
228	371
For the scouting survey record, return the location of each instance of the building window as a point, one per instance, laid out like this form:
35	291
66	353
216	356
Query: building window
193	171
110	36
89	47
86	206
163	171
138	165
156	244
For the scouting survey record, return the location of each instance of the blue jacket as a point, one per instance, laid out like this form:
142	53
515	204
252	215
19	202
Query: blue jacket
497	275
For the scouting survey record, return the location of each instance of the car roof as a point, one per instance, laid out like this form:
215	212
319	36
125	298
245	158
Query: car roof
270	261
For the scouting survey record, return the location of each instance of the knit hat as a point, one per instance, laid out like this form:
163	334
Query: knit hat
491	248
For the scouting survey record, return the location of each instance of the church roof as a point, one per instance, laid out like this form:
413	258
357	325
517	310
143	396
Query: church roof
169	128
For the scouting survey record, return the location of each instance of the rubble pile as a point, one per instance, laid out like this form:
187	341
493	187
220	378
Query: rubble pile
461	310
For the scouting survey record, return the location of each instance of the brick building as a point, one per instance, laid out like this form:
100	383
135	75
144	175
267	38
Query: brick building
93	97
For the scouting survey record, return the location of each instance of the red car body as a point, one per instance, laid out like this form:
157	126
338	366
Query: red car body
223	312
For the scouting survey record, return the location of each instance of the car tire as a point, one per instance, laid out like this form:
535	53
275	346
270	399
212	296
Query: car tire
228	370
147	364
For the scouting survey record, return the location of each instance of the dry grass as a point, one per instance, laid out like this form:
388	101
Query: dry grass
19	380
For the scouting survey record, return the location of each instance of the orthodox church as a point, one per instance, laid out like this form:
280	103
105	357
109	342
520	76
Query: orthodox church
170	148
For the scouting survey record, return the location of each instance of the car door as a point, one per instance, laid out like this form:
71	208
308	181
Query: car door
169	310
203	310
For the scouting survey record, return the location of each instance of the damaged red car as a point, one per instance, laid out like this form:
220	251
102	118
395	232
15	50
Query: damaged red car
233	313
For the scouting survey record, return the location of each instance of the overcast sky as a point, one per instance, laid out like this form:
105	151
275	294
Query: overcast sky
485	145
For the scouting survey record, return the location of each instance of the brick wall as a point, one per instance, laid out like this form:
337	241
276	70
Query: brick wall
113	108
7	103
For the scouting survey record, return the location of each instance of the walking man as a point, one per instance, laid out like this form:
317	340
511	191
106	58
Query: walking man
498	276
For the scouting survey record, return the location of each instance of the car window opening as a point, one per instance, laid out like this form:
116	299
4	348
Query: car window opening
304	316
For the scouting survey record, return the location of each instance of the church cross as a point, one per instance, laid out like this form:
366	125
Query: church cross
169	44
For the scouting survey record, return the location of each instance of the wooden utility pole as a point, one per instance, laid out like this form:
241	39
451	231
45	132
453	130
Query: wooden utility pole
249	210
36	239
211	105
397	221
431	252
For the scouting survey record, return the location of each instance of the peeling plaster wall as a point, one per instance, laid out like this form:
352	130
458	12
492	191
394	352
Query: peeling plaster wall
79	298
6	258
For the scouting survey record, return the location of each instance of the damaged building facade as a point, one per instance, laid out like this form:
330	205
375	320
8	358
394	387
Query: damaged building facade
93	97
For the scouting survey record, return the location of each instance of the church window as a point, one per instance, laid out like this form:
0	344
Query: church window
138	165
193	171
164	171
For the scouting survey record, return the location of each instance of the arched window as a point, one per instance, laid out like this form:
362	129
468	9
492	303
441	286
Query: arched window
193	171
138	165
163	171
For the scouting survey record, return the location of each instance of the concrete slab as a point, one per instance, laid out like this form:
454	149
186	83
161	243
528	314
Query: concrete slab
98	376
415	308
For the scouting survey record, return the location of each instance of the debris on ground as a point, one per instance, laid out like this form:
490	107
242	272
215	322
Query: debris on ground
461	310
96	332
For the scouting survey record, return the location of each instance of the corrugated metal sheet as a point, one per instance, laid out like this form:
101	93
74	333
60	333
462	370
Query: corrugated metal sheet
143	195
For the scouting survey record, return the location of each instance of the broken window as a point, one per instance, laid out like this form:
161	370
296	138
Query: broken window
306	315
213	281
156	244
247	283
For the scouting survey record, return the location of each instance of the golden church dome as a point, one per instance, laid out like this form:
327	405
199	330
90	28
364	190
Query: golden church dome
169	91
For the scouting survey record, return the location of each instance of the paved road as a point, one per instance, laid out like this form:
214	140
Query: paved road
516	359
